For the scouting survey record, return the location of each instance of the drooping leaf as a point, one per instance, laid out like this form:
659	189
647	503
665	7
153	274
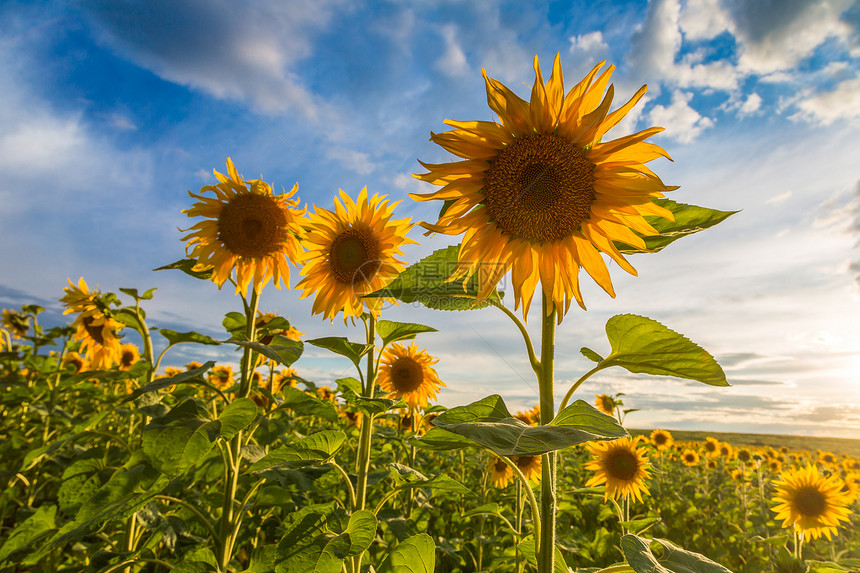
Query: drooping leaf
235	324
342	346
439	439
425	282
180	439
361	530
282	350
326	442
637	551
637	526
187	267
643	345
590	354
350	390
174	337
394	331
180	378
488	423
416	554
689	219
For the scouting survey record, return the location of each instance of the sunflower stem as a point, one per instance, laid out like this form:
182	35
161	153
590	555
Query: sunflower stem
363	455
546	562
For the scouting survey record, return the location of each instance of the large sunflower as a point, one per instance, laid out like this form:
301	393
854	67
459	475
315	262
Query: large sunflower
812	503
351	252
621	466
540	194
247	228
96	331
407	372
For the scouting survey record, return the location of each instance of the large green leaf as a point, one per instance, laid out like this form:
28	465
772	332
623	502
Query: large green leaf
426	282
307	546
416	554
237	416
174	337
342	346
439	439
361	530
489	423
303	404
637	551
180	378
689	219
643	345
281	349
393	331
527	548
31	530
180	439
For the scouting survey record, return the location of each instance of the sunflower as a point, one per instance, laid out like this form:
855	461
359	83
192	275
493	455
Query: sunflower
530	466
96	331
78	362
326	394
193	365
540	194
851	487
129	355
605	403
712	447
530	416
810	502
725	450
247	228
221	376
662	439
16	323
743	455
407	372
621	466
500	473
351	253
690	458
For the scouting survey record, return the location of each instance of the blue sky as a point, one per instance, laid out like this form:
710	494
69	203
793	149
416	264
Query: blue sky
110	112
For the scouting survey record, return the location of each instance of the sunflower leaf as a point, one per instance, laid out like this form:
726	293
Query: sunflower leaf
426	282
488	423
391	331
342	346
282	349
645	346
416	554
637	551
160	383
303	404
590	354
689	219
187	267
174	337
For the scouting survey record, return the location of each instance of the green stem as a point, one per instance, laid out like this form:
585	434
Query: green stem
537	522
535	363
546	561
363	455
577	384
345	477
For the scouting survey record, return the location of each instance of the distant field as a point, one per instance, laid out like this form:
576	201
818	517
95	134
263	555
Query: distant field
835	445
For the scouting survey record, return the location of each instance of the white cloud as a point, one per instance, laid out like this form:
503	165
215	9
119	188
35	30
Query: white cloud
842	102
590	47
704	19
751	104
776	35
777	199
681	121
453	61
354	160
232	52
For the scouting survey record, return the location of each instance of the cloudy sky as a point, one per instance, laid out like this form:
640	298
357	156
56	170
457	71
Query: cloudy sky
110	112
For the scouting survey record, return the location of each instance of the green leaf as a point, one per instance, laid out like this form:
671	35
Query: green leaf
637	526
527	548
187	267
307	547
326	442
282	349
174	337
180	378
304	404
314	448
132	292
342	346
437	439
643	345
32	530
361	530
235	324
237	416
417	554
350	390
689	219
179	440
393	331
128	317
407	477
590	354
426	282
637	551
488	423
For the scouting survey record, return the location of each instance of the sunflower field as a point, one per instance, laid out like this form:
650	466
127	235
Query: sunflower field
116	459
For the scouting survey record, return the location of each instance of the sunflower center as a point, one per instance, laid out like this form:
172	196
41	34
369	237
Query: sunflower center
126	359
540	188
406	375
689	457
622	465
253	226
660	439
810	501
95	331
355	255
500	466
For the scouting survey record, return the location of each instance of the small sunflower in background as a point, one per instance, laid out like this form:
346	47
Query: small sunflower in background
193	365
16	323
725	450
621	466
77	362
605	403
407	372
129	355
530	416
662	439
500	473
247	229
810	503
530	466
690	458
540	194
711	447
851	487
96	331
221	376
326	394
743	455
352	252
